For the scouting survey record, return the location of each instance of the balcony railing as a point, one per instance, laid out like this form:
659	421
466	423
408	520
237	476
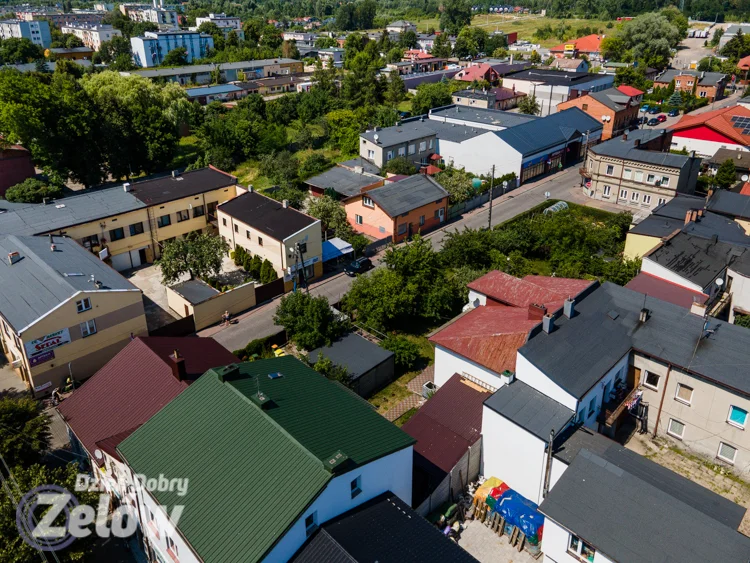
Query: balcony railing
612	409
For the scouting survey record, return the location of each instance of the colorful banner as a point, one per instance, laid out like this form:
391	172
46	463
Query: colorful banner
47	342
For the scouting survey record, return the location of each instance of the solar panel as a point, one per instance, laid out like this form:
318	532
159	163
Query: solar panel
735	118
746	131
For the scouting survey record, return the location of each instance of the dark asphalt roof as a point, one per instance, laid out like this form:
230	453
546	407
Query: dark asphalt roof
195	291
406	195
704	78
555	77
626	149
41	280
344	181
481	116
267	215
368	166
678	206
632	510
383	530
730	154
411	81
197	69
358	355
579	351
421	128
169	188
697	260
531	410
535	136
612	98
729	203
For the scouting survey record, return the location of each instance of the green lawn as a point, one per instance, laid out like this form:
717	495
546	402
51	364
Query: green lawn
187	152
403	419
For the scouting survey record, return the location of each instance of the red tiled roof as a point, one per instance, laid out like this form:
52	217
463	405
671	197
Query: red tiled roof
745	188
542	290
665	290
488	336
416	54
586	44
135	385
629	90
431	170
109	445
719	120
476	72
448	423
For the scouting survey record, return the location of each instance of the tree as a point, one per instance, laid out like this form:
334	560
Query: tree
726	175
648	38
430	96
406	352
441	47
18	51
314	164
24	431
32	190
360	86
633	76
309	321
281	168
535	58
396	90
324	42
343	128
399	165
289	50
176	57
407	40
457	183
456	15
267	272
332	215
529	105
470	42
325	367
198	256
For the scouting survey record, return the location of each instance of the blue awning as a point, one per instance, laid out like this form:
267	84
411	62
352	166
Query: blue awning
335	248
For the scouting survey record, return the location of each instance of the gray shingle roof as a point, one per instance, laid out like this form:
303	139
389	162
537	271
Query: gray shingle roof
704	78
368	166
344	181
195	291
729	203
581	350
740	163
535	136
633	511
414	129
358	355
707	226
612	98
619	147
556	77
198	69
38	282
408	194
530	409
481	116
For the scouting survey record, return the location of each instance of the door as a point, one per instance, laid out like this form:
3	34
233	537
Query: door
187	311
135	258
441	214
121	262
634	376
142	255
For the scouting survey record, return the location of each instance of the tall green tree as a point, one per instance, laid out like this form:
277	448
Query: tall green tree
441	47
456	15
332	216
529	105
32	190
24	431
176	57
197	256
360	87
726	175
430	96
19	51
309	321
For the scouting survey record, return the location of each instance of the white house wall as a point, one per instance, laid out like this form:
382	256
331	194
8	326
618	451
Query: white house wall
448	363
701	147
555	543
477	298
597	393
740	293
477	155
648	266
533	376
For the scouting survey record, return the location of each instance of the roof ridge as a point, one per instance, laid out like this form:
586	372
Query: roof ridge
29	253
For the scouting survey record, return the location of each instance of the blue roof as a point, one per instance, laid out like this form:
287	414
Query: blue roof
535	136
212	90
335	248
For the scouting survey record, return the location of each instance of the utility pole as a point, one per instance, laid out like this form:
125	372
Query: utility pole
492	185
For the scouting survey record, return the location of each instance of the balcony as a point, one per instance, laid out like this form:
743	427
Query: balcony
614	409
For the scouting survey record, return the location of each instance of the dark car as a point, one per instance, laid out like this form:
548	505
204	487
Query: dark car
654	110
673	113
661	118
642	120
653	121
359	266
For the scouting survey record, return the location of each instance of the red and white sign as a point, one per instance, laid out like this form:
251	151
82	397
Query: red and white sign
47	342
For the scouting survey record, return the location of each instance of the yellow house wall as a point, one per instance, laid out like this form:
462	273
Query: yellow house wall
270	250
638	245
235	301
178	303
117	315
312	236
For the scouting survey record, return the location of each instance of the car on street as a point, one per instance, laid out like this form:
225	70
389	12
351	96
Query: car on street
653	110
661	118
644	108
642	120
673	113
653	121
358	266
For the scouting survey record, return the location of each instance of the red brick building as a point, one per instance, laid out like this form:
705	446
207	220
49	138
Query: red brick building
15	166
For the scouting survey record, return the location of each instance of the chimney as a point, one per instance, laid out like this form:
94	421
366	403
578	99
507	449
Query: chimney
177	363
175	173
285	203
13	257
644	315
637	143
536	312
548	323
126	186
688	216
625	136
692	154
569	308
698	308
44	200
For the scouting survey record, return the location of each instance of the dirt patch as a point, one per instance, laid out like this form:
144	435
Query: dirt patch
706	472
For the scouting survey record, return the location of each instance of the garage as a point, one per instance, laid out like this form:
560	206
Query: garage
121	262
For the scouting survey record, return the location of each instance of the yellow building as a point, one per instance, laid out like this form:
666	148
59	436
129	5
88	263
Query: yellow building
128	225
289	239
63	311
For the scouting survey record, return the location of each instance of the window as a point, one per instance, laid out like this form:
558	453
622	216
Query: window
198	211
634	197
88	328
430	144
183	216
152	523
665	181
610	170
371	154
401	151
172	549
684	394
676	428
650	179
356	486
402	228
623	194
702	94
117	234
581	549
592	406
422	146
412	149
606	191
388	156
89	242
247	235
311	523
260	241
83	305
639	175
236	228
676	82
662	200
136	229
381	229
585	107
366	201
737	417
646	199
358	219
651	380
166	220
224	221
627	173
727	453
421	220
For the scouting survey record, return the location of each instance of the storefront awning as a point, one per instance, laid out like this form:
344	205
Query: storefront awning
335	248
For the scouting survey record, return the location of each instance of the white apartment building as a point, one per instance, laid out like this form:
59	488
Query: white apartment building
92	35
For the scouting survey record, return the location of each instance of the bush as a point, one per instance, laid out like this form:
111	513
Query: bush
267	272
314	164
255	266
309	321
399	165
32	190
259	346
325	367
405	352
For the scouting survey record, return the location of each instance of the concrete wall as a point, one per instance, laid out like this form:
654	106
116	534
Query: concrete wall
448	363
210	311
740	293
638	245
555	545
533	376
477	155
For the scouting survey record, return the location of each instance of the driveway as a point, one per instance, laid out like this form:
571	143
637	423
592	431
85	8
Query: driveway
10	383
148	280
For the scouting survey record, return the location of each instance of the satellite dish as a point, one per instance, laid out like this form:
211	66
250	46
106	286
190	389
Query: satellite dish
604	118
745	177
376	137
719	282
98	454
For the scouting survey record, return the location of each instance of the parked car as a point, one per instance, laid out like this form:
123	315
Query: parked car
642	120
673	113
661	118
644	108
358	266
654	110
653	121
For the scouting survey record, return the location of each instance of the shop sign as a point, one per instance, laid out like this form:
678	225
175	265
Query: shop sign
42	358
47	342
43	386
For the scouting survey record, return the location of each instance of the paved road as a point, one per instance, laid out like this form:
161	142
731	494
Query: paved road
258	322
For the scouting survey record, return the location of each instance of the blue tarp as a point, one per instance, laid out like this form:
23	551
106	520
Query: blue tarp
520	512
335	248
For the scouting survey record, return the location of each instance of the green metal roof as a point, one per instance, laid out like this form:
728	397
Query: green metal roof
255	464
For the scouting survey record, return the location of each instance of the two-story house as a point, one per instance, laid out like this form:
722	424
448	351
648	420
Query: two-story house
289	451
64	312
615	109
709	85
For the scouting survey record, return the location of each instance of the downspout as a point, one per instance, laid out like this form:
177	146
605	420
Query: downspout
548	464
661	402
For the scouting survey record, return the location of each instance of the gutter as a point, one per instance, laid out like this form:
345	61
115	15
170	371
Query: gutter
661	402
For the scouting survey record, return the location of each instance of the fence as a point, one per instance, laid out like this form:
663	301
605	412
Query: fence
269	290
378	245
180	327
465	471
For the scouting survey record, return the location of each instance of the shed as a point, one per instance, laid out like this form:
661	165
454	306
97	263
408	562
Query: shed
371	367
